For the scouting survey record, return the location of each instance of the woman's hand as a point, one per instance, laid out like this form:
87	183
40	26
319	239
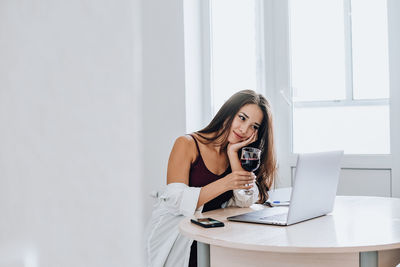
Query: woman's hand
239	180
234	148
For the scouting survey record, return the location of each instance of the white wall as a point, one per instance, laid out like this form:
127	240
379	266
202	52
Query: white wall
70	138
164	89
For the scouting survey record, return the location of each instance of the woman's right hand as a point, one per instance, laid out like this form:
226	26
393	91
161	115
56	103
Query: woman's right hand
234	148
239	180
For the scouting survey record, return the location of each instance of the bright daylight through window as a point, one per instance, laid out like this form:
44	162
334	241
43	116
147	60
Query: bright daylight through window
233	48
340	76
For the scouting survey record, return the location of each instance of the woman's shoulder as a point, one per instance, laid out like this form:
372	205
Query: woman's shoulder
185	143
185	147
185	140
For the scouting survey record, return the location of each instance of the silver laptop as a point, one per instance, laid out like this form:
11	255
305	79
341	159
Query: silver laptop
313	194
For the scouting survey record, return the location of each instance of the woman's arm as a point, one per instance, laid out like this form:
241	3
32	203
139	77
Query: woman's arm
234	180
180	160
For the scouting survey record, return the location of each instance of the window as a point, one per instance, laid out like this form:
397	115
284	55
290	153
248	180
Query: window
340	76
235	42
328	60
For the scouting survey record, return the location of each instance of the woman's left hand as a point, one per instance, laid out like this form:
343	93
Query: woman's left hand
234	148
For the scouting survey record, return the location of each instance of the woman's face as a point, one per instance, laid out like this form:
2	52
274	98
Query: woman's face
245	123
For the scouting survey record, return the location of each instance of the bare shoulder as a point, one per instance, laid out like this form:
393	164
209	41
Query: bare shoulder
185	139
180	159
185	145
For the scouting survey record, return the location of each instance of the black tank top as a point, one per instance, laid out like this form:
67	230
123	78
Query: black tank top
200	176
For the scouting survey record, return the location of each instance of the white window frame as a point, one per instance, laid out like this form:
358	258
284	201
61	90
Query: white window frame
349	99
276	13
275	85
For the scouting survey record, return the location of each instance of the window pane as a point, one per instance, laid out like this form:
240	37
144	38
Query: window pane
233	48
317	49
356	129
370	49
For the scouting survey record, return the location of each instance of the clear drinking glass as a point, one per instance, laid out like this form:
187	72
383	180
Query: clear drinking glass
250	160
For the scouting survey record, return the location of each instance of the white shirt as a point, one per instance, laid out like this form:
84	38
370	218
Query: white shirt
165	245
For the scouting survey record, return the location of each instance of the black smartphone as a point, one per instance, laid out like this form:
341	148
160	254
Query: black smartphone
207	222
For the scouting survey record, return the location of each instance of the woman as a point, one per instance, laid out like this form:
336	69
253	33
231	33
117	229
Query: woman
204	173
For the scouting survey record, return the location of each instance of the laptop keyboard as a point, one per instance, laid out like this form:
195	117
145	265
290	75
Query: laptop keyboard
282	217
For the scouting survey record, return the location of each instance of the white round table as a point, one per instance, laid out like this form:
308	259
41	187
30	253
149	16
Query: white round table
361	231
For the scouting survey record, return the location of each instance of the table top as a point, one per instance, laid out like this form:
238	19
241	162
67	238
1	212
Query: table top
356	224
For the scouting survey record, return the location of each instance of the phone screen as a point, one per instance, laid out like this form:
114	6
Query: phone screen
207	222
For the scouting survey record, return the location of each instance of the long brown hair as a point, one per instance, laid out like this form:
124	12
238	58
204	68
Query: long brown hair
221	125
